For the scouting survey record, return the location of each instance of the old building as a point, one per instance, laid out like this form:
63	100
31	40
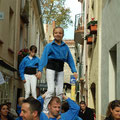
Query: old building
101	54
20	27
67	71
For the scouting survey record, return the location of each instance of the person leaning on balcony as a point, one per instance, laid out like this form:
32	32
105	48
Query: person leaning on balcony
113	110
28	71
54	56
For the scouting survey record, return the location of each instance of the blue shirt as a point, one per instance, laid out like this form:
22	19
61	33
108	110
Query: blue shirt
27	62
54	51
71	113
18	109
78	118
19	118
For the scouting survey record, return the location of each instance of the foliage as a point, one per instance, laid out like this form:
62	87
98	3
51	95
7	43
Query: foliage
54	10
88	35
21	54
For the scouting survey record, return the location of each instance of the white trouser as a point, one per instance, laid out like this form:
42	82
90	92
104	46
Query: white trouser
54	86
31	82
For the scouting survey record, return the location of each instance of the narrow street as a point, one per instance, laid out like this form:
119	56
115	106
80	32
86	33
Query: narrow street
86	67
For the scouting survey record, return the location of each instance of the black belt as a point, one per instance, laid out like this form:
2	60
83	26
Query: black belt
30	70
55	64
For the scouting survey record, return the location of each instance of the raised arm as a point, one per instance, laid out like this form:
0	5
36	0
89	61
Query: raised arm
71	63
41	99
73	109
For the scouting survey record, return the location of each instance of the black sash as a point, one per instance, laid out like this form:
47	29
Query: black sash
30	70
55	64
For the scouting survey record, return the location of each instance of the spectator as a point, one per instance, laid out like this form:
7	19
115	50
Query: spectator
20	100
31	109
54	108
85	112
4	112
65	108
12	112
113	110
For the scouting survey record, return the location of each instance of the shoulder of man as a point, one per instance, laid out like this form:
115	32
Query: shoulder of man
109	118
89	109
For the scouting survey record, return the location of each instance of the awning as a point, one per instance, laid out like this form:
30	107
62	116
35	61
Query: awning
5	65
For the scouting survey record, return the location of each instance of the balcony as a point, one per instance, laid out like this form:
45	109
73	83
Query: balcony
79	28
24	13
80	1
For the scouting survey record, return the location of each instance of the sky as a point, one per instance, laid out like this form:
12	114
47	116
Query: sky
75	8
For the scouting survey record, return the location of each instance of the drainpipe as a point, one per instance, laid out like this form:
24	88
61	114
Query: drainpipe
85	44
84	49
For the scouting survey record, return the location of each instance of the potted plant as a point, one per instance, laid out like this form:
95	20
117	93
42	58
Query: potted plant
21	54
92	25
89	38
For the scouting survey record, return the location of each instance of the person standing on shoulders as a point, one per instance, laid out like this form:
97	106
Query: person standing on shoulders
53	57
28	71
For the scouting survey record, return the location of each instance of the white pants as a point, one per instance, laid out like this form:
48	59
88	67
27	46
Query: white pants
55	86
31	82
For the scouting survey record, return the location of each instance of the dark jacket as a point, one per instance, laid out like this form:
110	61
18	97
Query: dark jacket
109	118
87	115
9	118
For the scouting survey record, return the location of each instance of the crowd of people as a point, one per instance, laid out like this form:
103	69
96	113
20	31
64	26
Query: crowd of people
53	105
32	109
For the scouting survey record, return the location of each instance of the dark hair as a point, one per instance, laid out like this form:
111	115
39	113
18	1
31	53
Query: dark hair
8	103
112	105
58	27
3	105
57	99
35	105
33	48
65	106
83	102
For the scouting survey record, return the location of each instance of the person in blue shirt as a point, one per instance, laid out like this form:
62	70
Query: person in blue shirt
28	71
31	109
65	108
53	57
54	108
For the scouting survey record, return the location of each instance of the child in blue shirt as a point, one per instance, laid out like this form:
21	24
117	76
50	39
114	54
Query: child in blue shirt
53	57
28	71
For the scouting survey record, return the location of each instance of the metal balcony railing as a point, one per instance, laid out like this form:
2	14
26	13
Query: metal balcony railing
79	22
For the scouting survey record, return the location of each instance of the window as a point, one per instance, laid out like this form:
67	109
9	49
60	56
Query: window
4	90
112	73
21	38
22	4
11	29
